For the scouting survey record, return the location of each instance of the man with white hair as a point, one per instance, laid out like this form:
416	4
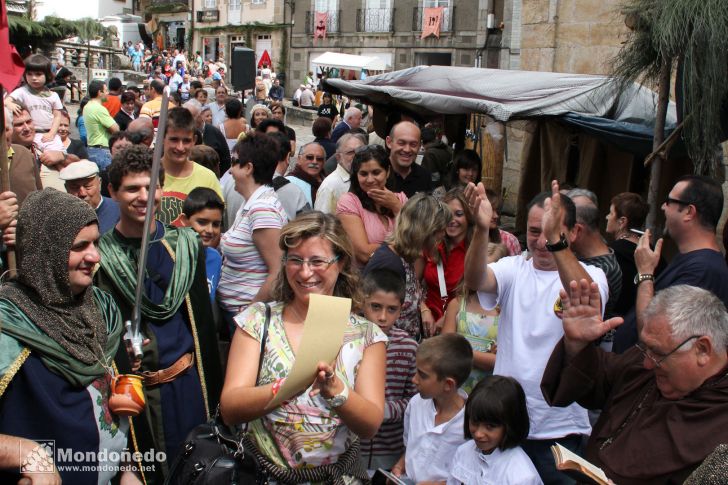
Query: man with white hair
338	182
352	120
664	401
82	180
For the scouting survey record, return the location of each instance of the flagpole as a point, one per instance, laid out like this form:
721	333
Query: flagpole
5	176
133	326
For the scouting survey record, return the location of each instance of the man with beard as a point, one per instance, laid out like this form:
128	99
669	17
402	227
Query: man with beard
59	337
307	172
181	363
692	210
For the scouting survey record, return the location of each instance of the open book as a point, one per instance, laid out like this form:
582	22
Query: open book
577	467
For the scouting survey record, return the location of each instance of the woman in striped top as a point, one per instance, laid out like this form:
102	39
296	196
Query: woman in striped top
251	256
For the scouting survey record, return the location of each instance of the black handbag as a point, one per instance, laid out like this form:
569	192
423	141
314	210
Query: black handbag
212	454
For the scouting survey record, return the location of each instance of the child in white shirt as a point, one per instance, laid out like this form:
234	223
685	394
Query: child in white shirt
496	423
433	421
43	104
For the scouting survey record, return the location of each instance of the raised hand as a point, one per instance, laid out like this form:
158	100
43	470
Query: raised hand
582	316
479	205
645	258
553	216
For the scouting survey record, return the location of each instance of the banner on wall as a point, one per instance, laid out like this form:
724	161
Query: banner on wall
431	19
319	28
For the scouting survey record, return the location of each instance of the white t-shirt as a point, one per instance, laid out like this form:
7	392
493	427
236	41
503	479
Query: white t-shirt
40	107
528	330
430	448
510	467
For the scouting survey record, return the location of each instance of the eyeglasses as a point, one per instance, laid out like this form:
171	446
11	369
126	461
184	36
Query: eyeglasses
669	200
295	262
658	358
312	157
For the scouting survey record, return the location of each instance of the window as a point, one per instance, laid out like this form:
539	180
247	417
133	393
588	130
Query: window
258	2
210	4
332	8
377	15
234	5
447	13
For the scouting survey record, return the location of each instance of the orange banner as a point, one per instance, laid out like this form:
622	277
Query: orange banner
431	19
319	28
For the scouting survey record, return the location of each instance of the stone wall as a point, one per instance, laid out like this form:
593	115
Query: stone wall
575	36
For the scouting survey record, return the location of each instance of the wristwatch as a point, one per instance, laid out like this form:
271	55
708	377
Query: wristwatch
562	244
339	399
639	278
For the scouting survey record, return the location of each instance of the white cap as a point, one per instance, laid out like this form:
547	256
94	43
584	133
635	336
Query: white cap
79	170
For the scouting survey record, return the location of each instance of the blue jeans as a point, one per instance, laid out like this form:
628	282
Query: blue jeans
100	156
539	451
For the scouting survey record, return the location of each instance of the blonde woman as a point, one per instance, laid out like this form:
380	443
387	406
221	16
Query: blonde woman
420	227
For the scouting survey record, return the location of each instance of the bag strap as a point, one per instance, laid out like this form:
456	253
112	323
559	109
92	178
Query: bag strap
263	338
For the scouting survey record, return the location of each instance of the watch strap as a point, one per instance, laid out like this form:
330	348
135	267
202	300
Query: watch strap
639	278
560	245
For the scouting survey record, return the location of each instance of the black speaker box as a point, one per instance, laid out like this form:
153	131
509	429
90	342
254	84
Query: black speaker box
242	68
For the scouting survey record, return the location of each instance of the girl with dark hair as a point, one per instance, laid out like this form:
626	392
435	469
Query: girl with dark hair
496	423
368	210
466	167
43	104
235	124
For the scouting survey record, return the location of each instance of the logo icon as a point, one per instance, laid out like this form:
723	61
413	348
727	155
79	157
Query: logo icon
40	459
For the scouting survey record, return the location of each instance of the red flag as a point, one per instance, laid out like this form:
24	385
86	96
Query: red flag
11	65
319	28
264	59
431	21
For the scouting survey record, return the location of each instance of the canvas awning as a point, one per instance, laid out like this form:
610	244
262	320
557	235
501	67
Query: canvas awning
349	61
503	94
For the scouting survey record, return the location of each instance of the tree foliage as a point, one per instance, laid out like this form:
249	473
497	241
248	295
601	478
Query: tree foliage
692	35
42	35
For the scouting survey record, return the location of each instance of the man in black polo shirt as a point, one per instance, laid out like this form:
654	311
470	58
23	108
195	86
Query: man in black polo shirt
404	145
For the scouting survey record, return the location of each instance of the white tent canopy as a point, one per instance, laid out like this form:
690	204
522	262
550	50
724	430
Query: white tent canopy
349	61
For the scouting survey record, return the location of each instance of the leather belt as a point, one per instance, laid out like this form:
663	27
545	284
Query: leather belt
170	373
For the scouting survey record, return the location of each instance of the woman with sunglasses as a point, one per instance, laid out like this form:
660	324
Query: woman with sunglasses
369	209
314	436
421	226
251	257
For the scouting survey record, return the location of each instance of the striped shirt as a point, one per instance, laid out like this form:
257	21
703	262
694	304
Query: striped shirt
243	268
401	368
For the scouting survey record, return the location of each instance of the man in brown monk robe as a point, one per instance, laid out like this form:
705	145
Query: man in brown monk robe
664	401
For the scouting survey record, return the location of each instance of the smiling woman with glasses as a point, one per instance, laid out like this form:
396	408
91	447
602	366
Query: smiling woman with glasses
349	398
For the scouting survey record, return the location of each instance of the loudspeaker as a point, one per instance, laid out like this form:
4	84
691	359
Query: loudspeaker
242	68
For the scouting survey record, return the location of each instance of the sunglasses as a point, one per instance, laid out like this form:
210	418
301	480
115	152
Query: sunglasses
314	157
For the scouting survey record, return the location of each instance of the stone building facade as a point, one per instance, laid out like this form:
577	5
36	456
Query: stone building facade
472	33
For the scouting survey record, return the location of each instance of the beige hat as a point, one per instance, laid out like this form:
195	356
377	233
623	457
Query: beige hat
79	170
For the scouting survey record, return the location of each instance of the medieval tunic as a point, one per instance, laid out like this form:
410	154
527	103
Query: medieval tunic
177	318
640	437
41	405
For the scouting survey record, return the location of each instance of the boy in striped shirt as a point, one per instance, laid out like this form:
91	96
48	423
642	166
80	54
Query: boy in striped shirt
383	297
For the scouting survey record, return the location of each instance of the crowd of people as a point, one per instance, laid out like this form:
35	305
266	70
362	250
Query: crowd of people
465	357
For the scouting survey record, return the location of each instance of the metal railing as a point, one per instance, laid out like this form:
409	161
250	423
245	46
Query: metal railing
375	20
447	22
333	22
